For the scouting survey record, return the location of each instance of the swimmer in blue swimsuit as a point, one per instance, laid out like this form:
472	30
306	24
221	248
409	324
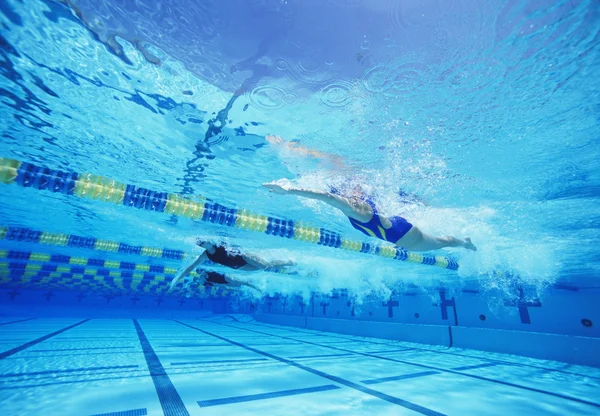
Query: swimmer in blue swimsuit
364	216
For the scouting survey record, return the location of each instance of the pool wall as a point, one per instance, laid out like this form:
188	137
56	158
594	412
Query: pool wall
561	326
25	303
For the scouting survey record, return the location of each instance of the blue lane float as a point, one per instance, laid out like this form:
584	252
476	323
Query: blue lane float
103	189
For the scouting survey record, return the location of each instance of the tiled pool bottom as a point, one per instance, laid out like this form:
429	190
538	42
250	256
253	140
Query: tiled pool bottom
125	367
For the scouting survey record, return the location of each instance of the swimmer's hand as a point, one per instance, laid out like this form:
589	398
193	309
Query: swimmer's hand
469	245
281	186
273	139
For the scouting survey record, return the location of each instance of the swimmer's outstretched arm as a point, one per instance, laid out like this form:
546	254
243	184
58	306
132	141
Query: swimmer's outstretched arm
201	258
360	211
304	151
413	240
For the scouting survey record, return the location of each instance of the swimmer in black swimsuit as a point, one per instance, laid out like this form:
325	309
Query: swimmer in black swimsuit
209	278
214	278
220	254
364	216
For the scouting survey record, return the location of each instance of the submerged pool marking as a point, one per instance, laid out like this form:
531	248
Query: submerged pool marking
134	412
69	370
103	189
82	261
263	396
169	397
18	267
78	277
14	322
400	377
29	344
107	264
148	284
416	364
70	240
77	282
383	396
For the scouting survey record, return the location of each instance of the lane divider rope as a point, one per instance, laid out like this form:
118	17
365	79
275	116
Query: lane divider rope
69	240
103	189
111	264
74	278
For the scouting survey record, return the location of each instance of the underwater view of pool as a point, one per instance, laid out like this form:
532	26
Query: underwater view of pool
299	207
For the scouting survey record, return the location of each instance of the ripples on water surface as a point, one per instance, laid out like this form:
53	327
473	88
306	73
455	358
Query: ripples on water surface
488	110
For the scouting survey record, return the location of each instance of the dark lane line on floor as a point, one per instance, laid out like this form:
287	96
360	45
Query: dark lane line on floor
94	338
82	349
347	383
475	366
71	370
56	383
31	355
400	377
168	396
301	357
496	361
264	396
191	346
308	332
220	361
14	322
30	344
389	351
120	376
134	412
491	380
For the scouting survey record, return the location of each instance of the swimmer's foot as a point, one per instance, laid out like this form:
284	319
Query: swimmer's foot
281	186
273	139
469	245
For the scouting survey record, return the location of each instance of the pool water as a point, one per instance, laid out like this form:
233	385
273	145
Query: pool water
129	130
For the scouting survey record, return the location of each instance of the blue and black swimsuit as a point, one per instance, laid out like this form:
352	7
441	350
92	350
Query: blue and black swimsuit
375	228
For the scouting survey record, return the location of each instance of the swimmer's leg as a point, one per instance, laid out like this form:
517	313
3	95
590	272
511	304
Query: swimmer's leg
258	263
416	240
281	263
254	263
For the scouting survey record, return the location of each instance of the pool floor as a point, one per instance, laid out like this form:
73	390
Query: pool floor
234	365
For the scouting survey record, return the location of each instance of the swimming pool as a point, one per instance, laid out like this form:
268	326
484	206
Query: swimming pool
130	130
